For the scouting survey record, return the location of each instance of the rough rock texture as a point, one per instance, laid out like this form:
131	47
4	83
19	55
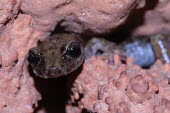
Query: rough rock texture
117	85
78	15
8	10
155	20
17	91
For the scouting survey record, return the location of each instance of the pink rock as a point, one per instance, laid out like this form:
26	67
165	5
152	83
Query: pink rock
124	88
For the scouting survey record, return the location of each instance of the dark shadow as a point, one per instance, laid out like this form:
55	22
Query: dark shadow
54	91
58	29
134	20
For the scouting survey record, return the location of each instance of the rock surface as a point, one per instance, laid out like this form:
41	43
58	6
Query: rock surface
113	85
155	20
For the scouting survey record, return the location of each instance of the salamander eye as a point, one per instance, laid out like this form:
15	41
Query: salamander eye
33	58
73	50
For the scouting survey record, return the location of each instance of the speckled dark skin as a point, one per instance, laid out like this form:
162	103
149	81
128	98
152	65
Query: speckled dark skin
56	56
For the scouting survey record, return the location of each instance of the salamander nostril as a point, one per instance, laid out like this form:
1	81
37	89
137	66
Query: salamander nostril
54	71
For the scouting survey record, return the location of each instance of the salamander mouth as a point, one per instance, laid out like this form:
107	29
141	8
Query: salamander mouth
52	72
